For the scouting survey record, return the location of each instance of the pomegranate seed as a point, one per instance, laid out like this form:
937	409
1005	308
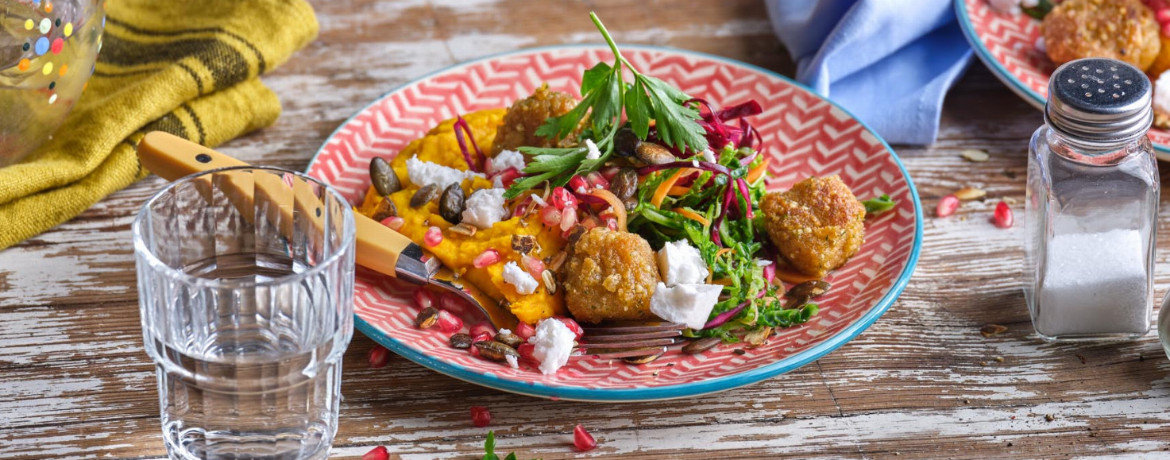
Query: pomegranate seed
523	206
452	302
947	206
770	272
377	453
561	198
610	172
596	180
532	265
379	357
507	176
394	222
579	184
424	298
480	416
449	323
527	353
433	237
481	337
1003	215
1166	29
611	224
568	219
486	258
572	325
582	440
524	330
550	216
482	328
1163	16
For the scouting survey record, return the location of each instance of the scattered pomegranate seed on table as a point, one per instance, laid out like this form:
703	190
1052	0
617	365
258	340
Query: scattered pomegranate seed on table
1003	215
947	206
448	322
480	416
379	356
582	440
377	453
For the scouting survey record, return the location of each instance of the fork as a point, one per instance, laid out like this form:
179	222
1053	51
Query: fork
390	253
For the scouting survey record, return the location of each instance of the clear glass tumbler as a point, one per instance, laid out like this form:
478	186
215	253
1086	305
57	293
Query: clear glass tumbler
47	53
245	280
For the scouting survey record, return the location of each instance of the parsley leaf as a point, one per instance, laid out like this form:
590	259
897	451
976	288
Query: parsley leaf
875	206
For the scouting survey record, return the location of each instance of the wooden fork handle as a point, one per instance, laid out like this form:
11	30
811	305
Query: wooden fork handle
377	247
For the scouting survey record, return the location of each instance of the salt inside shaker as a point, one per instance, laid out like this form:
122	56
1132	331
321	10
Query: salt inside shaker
1091	205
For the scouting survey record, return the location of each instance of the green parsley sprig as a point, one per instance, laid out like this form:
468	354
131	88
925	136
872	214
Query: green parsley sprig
606	95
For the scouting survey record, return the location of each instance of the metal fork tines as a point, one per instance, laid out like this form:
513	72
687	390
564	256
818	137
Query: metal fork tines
625	340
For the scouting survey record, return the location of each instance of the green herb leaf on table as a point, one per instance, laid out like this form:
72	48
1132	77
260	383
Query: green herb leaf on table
875	206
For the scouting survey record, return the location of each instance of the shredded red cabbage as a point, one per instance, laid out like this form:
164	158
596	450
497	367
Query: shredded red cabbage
461	127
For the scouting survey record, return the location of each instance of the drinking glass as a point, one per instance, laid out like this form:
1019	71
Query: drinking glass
245	282
47	52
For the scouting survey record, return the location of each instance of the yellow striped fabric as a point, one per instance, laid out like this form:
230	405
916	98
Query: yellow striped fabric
188	67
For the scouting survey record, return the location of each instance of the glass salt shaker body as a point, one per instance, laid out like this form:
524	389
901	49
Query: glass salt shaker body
1091	205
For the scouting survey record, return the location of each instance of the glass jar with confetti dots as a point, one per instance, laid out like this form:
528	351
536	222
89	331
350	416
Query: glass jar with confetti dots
47	52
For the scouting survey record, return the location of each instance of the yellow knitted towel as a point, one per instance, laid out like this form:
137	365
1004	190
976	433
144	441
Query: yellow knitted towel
188	67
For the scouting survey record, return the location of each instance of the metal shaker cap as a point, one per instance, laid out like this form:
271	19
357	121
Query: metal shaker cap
1099	100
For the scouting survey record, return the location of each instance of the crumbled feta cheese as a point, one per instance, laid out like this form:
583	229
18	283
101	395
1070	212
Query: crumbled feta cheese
695	163
594	152
512	361
553	344
689	304
763	263
708	155
423	173
485	207
498	182
523	281
681	263
1162	93
507	159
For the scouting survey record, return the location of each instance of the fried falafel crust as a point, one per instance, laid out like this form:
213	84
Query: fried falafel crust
610	275
817	225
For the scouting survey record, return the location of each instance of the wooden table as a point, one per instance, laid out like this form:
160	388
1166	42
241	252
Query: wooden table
921	383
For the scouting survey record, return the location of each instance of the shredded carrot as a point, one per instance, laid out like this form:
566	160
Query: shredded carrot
678	190
758	171
665	186
723	281
692	215
790	276
616	205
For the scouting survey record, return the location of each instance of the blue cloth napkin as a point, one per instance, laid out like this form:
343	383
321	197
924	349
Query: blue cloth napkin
889	62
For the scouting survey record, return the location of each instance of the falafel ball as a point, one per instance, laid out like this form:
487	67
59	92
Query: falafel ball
526	115
817	225
1125	30
610	275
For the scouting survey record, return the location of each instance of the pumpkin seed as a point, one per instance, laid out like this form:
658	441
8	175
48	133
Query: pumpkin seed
811	289
795	301
426	318
625	142
385	209
508	338
461	341
701	345
463	229
383	178
624	184
424	195
641	359
550	281
523	244
451	204
495	351
992	330
970	193
977	156
654	154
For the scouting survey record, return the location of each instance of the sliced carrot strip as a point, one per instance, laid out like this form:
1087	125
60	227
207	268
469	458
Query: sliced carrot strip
619	209
665	186
692	215
758	171
678	191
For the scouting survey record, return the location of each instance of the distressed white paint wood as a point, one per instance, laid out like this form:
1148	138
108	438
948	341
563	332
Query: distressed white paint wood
921	383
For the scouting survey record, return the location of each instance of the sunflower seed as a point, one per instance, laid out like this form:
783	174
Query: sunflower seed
463	229
550	281
495	351
461	341
426	318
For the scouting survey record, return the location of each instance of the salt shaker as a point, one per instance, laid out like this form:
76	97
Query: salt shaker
1091	204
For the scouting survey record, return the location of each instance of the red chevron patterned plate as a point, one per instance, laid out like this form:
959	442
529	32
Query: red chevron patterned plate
1006	43
806	134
